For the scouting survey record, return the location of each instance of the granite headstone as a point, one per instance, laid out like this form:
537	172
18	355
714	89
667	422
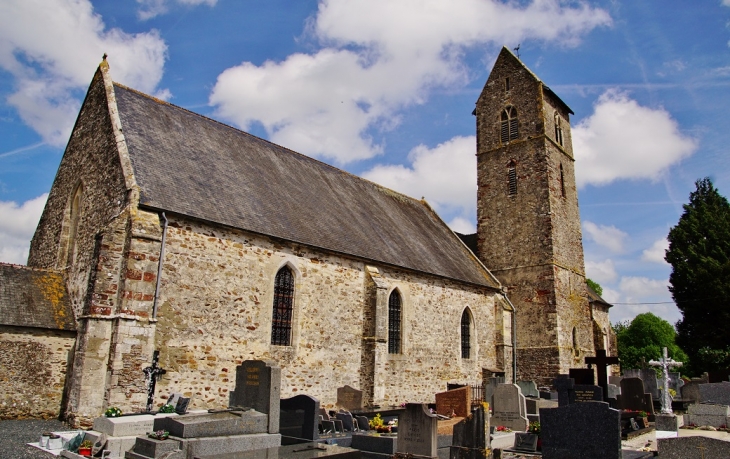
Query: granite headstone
717	393
509	408
457	401
258	386
299	417
471	436
417	431
580	431
349	398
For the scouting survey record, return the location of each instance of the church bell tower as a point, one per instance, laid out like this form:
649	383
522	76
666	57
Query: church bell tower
528	222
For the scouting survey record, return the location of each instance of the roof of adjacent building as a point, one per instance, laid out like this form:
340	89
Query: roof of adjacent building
191	165
34	298
594	297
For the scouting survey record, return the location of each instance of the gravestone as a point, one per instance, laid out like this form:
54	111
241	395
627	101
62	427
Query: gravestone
717	393
299	417
417	431
457	401
632	373
691	390
347	420
701	414
363	423
300	451
471	436
633	396
509	408
349	398
180	402
258	386
152	374
718	376
665	363
488	386
651	385
564	385
582	393
525	442
529	388
601	361
580	431
583	376
693	447
615	380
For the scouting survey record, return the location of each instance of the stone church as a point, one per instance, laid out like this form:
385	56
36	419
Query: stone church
174	232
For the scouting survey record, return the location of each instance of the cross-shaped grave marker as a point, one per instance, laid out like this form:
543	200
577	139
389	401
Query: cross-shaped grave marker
152	374
665	362
601	361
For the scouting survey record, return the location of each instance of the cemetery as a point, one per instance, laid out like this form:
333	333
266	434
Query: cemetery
583	414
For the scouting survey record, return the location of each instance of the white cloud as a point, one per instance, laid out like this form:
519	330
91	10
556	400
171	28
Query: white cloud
656	252
624	140
641	288
17	225
52	47
726	2
379	56
152	8
602	272
462	225
606	236
446	176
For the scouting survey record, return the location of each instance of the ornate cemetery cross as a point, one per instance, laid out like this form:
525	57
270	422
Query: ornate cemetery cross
665	363
152	374
601	361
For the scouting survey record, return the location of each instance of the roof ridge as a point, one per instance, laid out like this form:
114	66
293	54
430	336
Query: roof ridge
241	131
31	268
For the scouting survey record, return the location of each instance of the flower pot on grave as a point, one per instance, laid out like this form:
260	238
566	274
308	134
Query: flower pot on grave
86	452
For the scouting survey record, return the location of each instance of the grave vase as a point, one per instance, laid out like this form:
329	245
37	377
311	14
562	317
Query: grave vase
86	452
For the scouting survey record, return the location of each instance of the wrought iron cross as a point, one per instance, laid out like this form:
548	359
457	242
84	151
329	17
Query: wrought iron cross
152	374
665	363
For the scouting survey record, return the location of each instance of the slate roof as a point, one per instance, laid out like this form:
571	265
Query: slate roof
191	165
594	297
34	298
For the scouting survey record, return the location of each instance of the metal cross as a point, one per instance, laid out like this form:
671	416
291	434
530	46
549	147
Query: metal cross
517	51
152	374
665	363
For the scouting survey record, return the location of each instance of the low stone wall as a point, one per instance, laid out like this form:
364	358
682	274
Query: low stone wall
33	366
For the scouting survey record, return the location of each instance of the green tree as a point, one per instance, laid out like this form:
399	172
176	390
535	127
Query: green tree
595	286
699	252
645	336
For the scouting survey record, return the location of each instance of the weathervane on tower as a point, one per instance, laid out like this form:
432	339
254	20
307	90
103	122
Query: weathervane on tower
517	50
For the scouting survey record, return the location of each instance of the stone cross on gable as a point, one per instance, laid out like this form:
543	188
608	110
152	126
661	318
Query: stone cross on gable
665	362
601	361
152	374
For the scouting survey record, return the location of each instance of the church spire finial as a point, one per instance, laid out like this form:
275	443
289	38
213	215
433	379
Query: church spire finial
104	64
517	50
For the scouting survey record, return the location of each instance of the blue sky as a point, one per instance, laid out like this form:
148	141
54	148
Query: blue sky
385	89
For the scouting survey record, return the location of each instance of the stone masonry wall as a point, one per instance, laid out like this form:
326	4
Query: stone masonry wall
90	160
215	311
33	365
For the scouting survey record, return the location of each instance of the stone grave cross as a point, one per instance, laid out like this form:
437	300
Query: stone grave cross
152	374
665	362
601	361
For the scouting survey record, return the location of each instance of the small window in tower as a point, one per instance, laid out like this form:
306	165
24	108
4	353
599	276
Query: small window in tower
506	84
394	321
512	177
509	124
562	182
558	130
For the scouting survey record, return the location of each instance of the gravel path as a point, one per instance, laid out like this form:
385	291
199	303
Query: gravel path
15	434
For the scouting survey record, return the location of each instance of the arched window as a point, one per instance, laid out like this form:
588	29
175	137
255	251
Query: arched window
465	334
509	124
283	307
394	321
73	224
558	129
562	182
512	178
